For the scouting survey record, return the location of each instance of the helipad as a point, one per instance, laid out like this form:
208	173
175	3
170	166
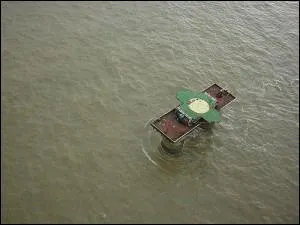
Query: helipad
199	106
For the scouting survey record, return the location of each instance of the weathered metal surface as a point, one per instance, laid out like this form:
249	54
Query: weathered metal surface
175	131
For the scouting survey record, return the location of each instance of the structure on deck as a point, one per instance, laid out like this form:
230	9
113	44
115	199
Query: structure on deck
195	109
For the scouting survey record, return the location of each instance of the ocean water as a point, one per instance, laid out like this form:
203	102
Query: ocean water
80	82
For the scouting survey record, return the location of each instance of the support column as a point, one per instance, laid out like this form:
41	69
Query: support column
170	147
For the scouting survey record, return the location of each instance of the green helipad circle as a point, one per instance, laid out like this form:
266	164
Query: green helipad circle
198	105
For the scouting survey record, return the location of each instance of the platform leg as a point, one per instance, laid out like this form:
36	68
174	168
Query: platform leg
170	147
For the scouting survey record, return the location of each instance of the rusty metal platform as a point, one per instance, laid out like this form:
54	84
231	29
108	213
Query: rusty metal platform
175	131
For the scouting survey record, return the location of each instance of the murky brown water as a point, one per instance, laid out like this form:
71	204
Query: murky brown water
80	81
